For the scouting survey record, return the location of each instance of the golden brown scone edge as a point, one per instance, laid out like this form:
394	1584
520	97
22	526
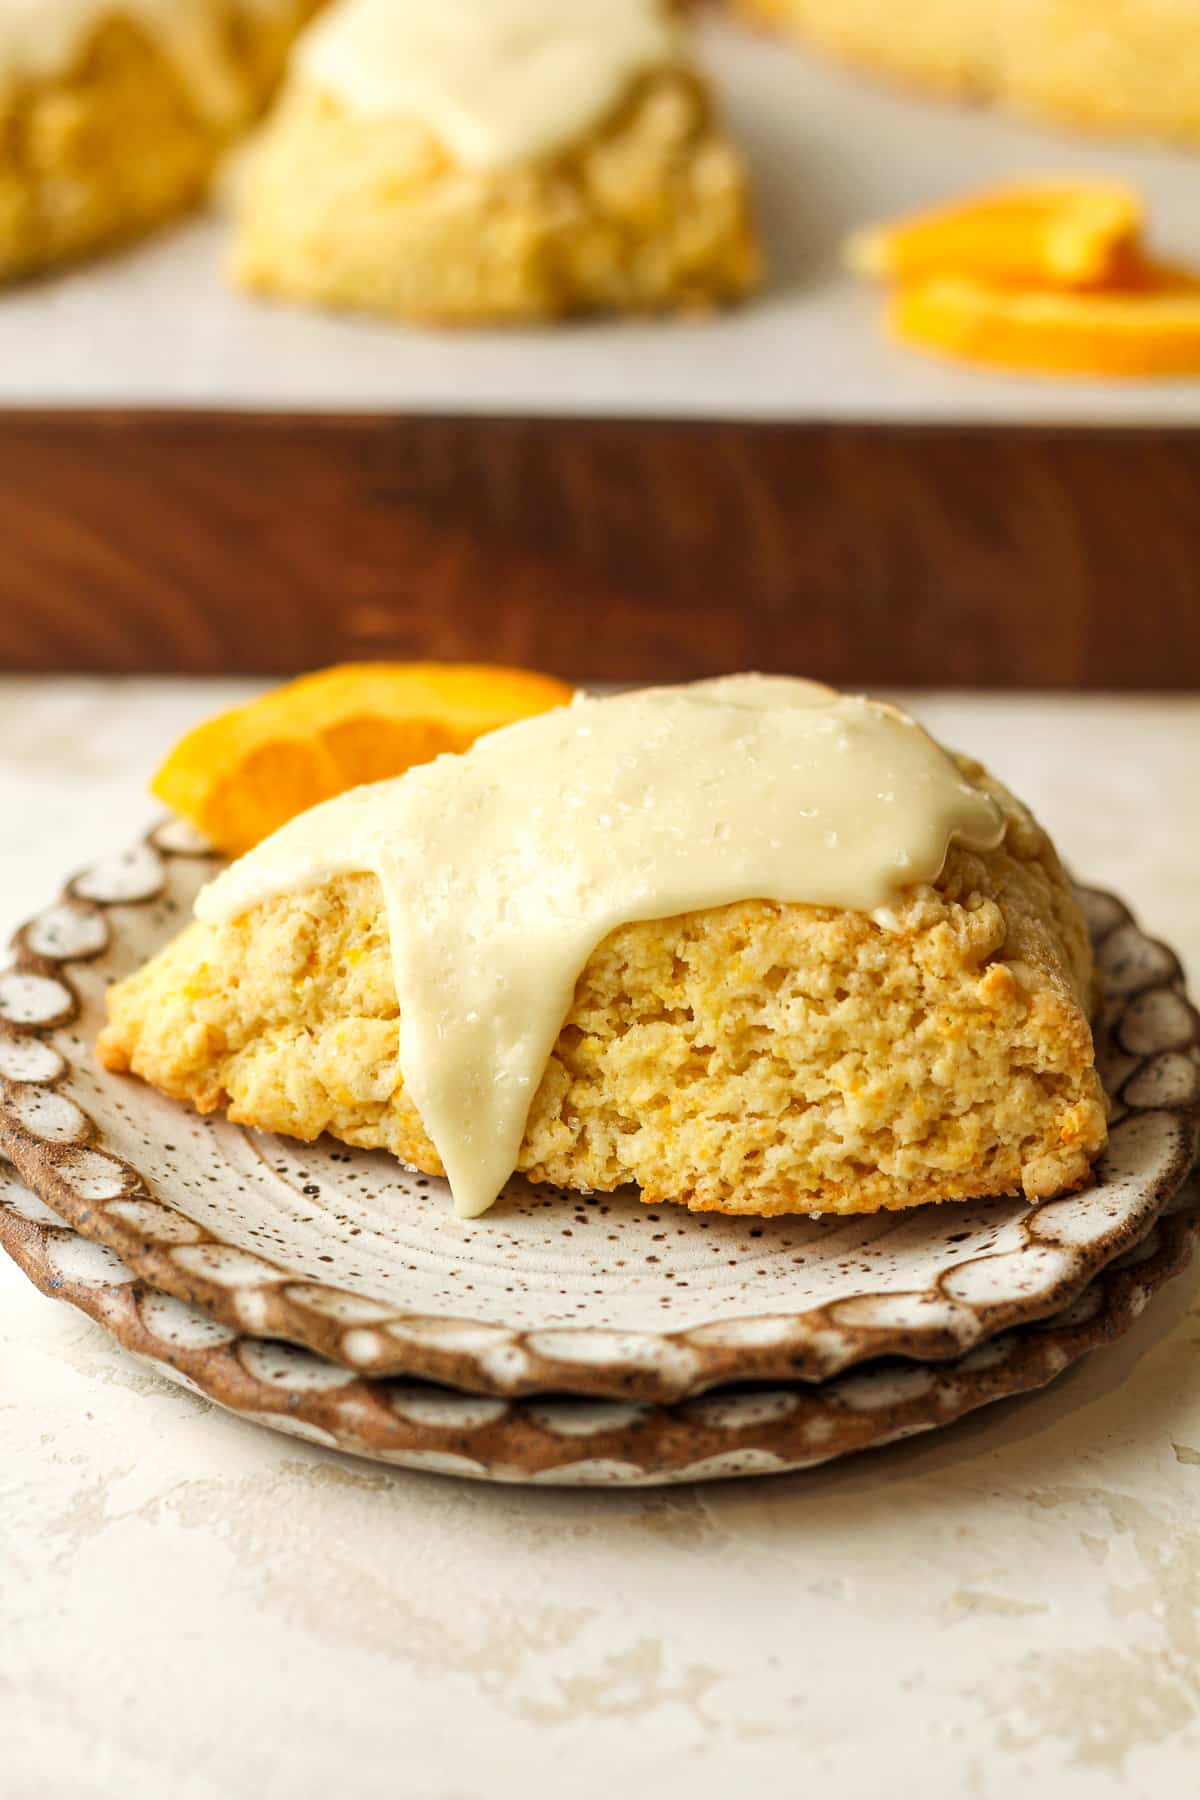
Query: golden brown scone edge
755	1058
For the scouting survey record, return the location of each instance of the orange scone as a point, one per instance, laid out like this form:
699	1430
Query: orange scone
114	113
488	163
581	950
1111	65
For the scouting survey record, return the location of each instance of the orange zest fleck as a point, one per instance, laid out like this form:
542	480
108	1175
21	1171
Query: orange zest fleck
241	775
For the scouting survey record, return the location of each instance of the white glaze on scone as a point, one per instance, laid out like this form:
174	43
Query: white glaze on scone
503	870
497	83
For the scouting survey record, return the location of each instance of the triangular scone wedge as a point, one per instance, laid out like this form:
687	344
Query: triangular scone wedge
1106	65
756	1058
647	212
113	117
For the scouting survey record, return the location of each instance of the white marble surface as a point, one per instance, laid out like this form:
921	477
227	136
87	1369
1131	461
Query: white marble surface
193	1608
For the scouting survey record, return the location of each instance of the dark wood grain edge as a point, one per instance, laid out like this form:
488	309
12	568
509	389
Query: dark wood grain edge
618	549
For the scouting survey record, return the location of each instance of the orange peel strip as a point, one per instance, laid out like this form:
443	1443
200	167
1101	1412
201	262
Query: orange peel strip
1140	333
1052	233
241	775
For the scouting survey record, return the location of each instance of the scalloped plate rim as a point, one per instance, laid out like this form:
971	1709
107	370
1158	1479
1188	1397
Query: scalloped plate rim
581	1441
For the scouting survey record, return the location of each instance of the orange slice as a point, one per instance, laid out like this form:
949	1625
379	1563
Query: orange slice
1143	332
1142	274
1139	333
1053	233
240	776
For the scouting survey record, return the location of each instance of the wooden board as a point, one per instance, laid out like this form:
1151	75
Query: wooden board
615	549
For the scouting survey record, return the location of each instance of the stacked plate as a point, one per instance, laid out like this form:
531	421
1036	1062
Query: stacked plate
565	1338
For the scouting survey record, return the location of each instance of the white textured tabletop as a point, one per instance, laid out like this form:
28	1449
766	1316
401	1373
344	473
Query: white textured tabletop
194	1608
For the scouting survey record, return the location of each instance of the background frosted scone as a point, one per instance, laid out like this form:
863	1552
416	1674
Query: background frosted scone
754	1058
113	112
1122	65
419	200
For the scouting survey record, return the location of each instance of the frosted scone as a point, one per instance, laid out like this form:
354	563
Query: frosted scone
113	112
752	945
496	160
1119	65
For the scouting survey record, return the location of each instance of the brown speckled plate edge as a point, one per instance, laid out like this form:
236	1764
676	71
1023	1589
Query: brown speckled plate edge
1149	1017
579	1441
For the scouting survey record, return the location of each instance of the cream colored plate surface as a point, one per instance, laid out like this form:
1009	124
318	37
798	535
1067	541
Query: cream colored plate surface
349	1254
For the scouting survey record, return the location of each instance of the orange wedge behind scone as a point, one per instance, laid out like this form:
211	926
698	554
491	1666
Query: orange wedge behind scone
1054	233
240	776
1150	330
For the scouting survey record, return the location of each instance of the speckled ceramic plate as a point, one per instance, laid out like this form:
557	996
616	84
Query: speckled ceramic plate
574	1440
350	1255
